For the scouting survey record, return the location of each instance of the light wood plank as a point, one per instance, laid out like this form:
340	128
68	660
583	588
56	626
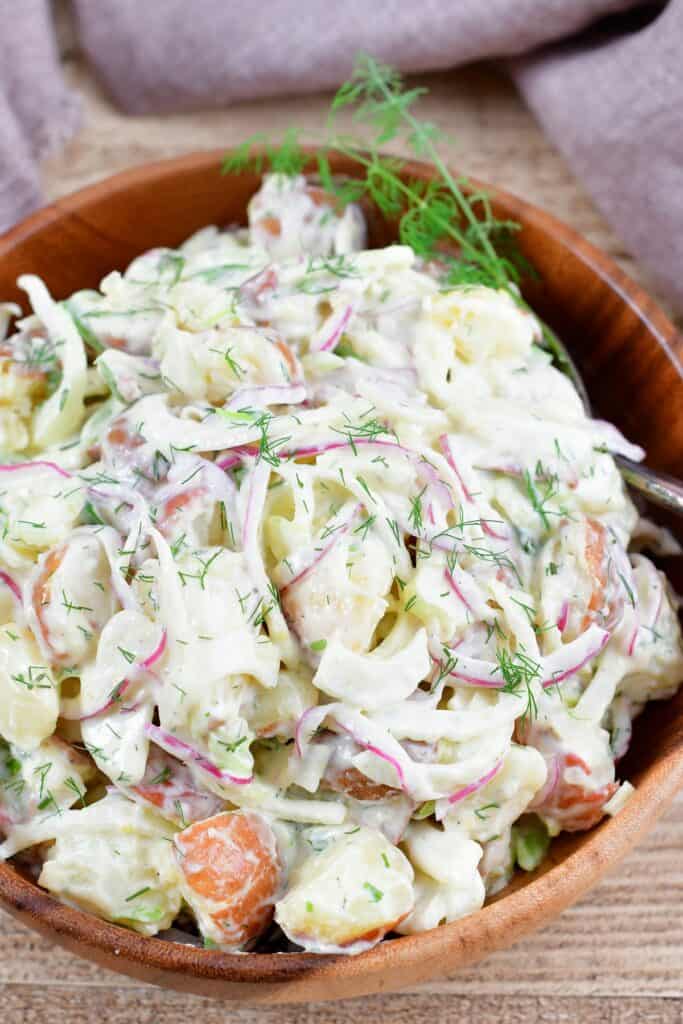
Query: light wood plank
624	939
25	1005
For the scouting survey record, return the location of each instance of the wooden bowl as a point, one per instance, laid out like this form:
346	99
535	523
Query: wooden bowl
629	354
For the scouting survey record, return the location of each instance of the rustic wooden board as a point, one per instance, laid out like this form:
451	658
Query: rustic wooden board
613	958
616	956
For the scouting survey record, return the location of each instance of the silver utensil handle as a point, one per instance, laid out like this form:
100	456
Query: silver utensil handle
659	488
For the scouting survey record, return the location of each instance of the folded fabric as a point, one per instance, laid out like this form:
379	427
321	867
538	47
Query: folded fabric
614	107
37	111
163	56
610	99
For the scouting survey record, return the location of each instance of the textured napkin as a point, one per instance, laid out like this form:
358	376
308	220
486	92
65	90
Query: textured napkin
37	112
603	76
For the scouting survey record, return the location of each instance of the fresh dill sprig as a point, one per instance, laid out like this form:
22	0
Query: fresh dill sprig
415	514
287	158
446	219
366	431
499	558
540	498
519	672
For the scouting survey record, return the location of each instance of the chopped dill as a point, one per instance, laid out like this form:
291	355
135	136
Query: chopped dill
519	672
415	515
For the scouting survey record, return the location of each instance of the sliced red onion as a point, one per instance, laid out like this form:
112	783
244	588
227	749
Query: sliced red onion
378	752
219	486
312	719
262	396
110	540
306	559
475	671
421	781
185	752
501	532
330	334
563	617
466	590
445	805
657	583
229	462
121	688
129	709
257	485
115	697
445	446
431	476
423	467
307	723
12	467
550	784
12	585
571	658
309	451
436	653
120	495
258	282
250	451
633	640
171	787
158	651
495	465
554	669
116	495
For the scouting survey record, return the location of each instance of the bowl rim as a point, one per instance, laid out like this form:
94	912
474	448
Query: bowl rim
501	922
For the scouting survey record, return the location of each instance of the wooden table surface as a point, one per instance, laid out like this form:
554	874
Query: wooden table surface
614	957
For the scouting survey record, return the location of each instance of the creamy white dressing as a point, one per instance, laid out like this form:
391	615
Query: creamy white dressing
317	541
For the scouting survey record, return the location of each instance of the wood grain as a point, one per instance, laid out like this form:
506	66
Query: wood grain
616	956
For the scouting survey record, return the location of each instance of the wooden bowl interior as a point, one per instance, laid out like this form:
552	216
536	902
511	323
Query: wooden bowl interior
630	357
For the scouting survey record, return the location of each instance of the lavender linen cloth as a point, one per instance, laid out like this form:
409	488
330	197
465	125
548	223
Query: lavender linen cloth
612	99
37	112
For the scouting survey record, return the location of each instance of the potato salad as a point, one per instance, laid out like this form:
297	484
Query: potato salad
323	607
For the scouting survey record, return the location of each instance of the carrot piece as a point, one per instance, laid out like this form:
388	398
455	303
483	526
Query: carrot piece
232	872
42	591
577	807
289	358
271	225
596	545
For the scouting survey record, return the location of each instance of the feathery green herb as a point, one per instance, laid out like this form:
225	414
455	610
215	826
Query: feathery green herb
519	672
445	219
